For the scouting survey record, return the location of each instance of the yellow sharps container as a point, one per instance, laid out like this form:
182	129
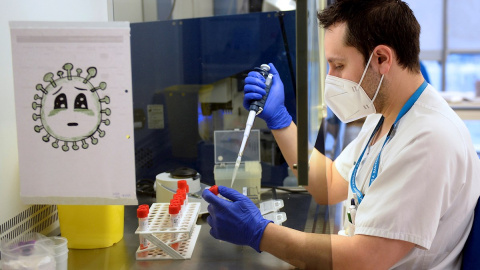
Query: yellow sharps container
91	226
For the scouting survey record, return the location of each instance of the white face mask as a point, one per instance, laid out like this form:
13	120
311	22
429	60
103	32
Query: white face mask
347	99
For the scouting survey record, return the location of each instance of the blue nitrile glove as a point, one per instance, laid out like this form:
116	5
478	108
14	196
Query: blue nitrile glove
274	112
237	221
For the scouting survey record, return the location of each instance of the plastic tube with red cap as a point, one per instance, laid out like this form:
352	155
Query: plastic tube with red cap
142	215
180	200
174	211
183	188
183	194
183	185
214	189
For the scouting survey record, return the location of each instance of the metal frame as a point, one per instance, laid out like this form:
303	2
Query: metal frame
301	24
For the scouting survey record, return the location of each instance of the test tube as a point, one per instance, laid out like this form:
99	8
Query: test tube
142	215
145	206
183	193
214	189
176	200
174	210
182	184
181	200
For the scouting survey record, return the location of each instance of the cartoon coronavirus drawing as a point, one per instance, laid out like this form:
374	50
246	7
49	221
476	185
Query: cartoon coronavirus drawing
70	108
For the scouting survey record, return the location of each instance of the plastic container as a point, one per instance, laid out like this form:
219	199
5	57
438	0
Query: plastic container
227	144
33	251
247	181
91	226
60	252
249	175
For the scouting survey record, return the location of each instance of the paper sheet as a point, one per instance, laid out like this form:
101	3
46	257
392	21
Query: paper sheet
73	98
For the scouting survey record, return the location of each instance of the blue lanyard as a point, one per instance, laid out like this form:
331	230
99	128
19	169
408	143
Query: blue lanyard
374	174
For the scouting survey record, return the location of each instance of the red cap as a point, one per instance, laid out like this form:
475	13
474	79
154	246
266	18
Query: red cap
178	197
214	189
142	212
144	206
182	184
182	193
173	209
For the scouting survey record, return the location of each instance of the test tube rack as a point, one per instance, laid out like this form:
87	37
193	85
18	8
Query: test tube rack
160	233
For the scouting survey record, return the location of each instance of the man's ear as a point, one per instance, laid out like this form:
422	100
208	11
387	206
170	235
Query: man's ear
382	58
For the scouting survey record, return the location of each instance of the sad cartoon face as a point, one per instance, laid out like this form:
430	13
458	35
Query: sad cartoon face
70	108
71	112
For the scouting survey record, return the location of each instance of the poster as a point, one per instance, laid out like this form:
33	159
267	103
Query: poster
73	99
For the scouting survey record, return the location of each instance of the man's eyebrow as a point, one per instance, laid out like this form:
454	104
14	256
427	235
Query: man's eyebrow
80	89
57	91
335	59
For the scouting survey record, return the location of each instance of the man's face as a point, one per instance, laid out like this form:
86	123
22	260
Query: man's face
347	62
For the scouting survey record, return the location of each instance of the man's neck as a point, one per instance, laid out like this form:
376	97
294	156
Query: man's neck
399	92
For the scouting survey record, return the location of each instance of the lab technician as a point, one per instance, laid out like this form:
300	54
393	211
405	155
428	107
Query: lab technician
412	171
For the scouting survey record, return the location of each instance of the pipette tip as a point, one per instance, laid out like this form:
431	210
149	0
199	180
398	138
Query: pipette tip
235	170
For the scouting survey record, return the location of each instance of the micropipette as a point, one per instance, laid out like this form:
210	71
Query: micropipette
256	107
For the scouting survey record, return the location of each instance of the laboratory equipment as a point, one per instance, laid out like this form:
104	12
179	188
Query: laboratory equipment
174	211
182	184
34	251
163	244
142	214
91	226
30	255
166	185
277	217
210	97
256	107
270	206
60	248
249	173
269	210
214	189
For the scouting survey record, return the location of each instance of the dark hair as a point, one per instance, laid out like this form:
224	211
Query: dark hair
377	22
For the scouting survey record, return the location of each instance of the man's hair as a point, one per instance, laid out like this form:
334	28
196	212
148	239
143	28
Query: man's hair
377	22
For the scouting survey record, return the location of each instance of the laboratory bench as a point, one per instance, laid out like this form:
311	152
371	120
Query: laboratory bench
209	253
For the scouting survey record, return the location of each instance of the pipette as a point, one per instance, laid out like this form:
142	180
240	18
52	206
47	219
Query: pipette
256	107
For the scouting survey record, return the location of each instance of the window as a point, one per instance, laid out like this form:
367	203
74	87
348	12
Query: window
449	48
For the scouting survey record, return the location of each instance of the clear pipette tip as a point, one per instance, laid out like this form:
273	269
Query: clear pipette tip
235	170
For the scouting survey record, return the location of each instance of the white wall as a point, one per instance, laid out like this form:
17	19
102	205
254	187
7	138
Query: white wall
28	10
129	10
185	9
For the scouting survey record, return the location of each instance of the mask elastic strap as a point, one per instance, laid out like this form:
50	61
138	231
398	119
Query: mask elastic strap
378	88
365	70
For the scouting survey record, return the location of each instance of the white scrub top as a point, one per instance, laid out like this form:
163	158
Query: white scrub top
427	186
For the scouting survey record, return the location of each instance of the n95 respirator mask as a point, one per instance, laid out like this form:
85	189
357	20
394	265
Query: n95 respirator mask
347	99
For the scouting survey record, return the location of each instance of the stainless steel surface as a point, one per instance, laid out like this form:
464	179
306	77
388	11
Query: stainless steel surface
209	253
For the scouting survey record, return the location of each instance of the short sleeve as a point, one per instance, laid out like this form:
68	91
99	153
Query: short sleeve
415	184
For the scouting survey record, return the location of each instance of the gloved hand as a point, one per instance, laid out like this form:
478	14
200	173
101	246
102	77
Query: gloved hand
237	221
274	112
